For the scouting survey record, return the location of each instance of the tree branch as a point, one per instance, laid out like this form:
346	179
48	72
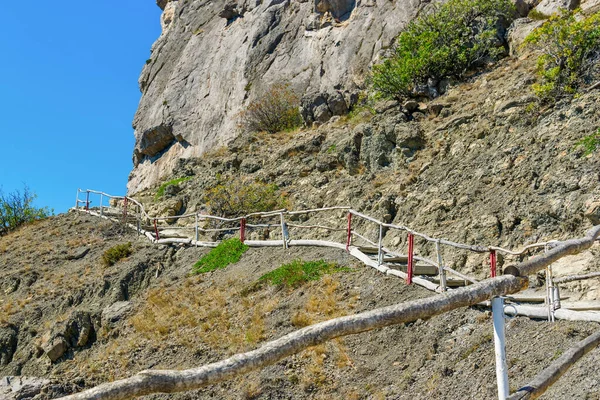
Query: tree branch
169	381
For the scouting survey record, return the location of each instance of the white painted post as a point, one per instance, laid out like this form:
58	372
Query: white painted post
101	201
500	347
77	200
379	249
440	266
196	229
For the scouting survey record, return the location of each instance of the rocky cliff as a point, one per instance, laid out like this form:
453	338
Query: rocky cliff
214	57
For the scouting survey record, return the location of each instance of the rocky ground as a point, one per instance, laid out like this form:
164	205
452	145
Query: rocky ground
148	312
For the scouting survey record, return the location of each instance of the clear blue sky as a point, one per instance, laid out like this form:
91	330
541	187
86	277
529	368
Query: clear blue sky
68	93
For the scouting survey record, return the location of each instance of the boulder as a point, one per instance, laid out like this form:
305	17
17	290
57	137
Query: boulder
549	7
115	312
8	344
21	387
55	348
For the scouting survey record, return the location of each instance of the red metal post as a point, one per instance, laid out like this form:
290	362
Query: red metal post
411	247
87	201
493	262
243	230
349	232
156	231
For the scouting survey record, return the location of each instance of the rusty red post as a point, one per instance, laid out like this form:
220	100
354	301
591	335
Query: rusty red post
243	230
349	232
493	262
411	248
156	230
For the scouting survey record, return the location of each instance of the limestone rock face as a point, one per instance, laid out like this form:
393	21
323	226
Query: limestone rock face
213	58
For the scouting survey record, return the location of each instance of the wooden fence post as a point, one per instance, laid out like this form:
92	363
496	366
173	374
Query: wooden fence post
441	271
349	232
156	230
243	230
409	268
87	200
283	231
379	246
197	233
125	209
101	201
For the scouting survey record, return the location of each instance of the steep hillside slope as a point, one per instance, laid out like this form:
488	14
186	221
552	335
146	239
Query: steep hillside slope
483	164
148	312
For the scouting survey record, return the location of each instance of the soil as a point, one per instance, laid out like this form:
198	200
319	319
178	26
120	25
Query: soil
178	320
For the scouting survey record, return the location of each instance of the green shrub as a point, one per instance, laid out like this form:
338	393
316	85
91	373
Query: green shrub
116	254
236	197
570	47
298	272
227	252
161	189
16	209
590	143
274	111
445	42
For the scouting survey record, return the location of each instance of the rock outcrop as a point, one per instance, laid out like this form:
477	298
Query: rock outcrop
214	57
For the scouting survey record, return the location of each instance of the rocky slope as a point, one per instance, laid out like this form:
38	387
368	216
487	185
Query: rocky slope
483	164
68	322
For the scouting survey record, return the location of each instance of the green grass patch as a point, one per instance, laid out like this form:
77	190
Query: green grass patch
297	272
589	143
116	254
227	252
161	189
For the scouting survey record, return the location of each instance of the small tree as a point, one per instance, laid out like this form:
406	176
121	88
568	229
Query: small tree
276	110
17	208
446	42
570	47
238	197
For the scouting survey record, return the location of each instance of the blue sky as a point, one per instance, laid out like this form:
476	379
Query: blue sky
68	94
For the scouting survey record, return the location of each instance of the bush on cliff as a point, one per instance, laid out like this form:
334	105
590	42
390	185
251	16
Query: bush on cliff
276	110
444	43
16	209
238	197
570	52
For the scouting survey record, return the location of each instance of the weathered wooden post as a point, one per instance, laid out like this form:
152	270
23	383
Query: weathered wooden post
409	267
283	231
441	271
243	230
156	230
87	200
500	347
349	232
380	246
196	228
101	201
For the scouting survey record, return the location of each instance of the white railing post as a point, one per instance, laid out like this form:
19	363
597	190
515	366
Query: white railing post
77	200
196	227
500	347
440	266
380	246
101	201
284	235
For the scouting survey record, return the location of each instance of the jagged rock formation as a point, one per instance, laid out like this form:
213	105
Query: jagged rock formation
214	57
